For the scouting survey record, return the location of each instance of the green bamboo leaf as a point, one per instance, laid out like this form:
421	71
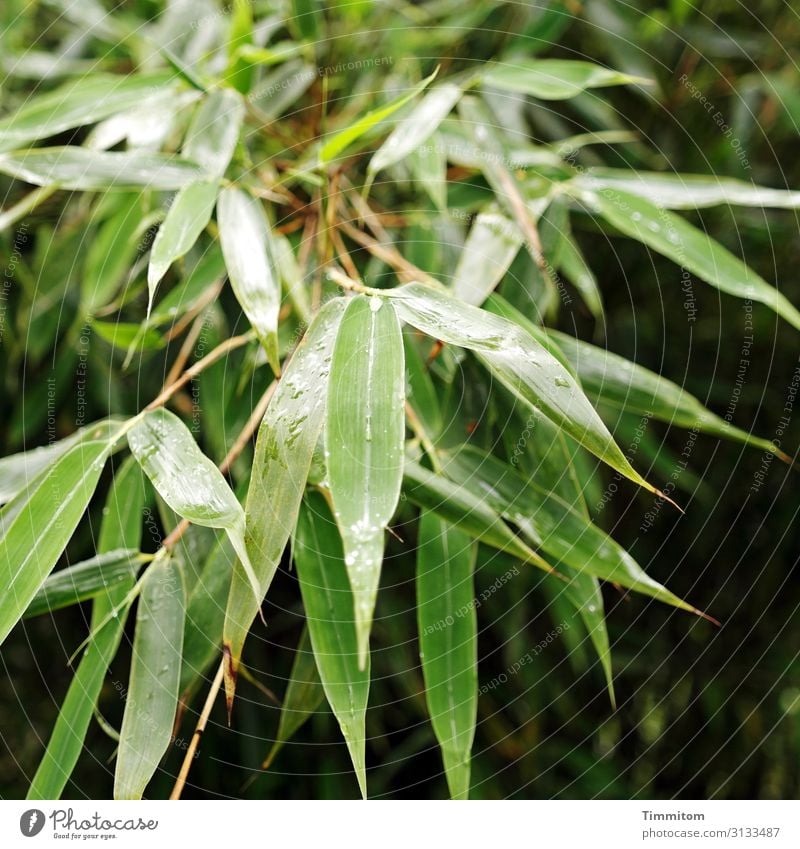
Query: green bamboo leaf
205	615
76	104
428	165
685	191
416	127
335	145
187	480
553	79
209	272
243	234
152	698
285	446
420	390
187	218
573	265
304	694
84	580
364	437
94	170
329	603
35	538
613	380
492	244
121	529
18	471
214	132
127	335
462	507
680	241
562	531
519	362
111	252
448	642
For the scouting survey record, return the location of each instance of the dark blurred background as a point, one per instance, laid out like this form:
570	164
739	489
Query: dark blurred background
703	711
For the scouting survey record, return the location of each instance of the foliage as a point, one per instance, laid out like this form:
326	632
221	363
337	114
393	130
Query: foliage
405	243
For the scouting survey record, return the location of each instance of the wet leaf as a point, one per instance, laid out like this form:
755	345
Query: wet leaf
448	639
329	603
251	267
364	437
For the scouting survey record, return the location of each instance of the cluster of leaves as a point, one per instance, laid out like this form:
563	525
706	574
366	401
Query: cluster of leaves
375	363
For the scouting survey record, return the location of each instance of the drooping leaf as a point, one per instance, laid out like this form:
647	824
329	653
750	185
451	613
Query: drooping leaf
694	250
623	384
563	532
686	191
341	140
187	218
553	79
244	238
77	103
329	604
111	252
18	471
94	170
212	136
448	641
416	127
121	529
304	694
521	364
151	700
84	581
492	244
364	436
187	480
465	509
284	449
35	538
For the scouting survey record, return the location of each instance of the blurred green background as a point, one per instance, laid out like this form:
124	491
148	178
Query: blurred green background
703	711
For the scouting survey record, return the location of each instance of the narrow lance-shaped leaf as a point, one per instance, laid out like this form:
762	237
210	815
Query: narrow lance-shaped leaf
84	580
75	104
212	136
553	79
564	532
18	471
284	449
492	244
187	480
520	363
467	510
92	170
304	694
121	529
151	700
251	267
364	438
111	252
686	191
328	601
692	249
448	639
416	127
612	379
35	538
187	218
335	145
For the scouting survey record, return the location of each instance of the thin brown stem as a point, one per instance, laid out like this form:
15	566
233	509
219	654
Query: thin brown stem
202	721
223	348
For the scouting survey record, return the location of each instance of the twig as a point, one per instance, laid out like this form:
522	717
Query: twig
210	358
202	721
